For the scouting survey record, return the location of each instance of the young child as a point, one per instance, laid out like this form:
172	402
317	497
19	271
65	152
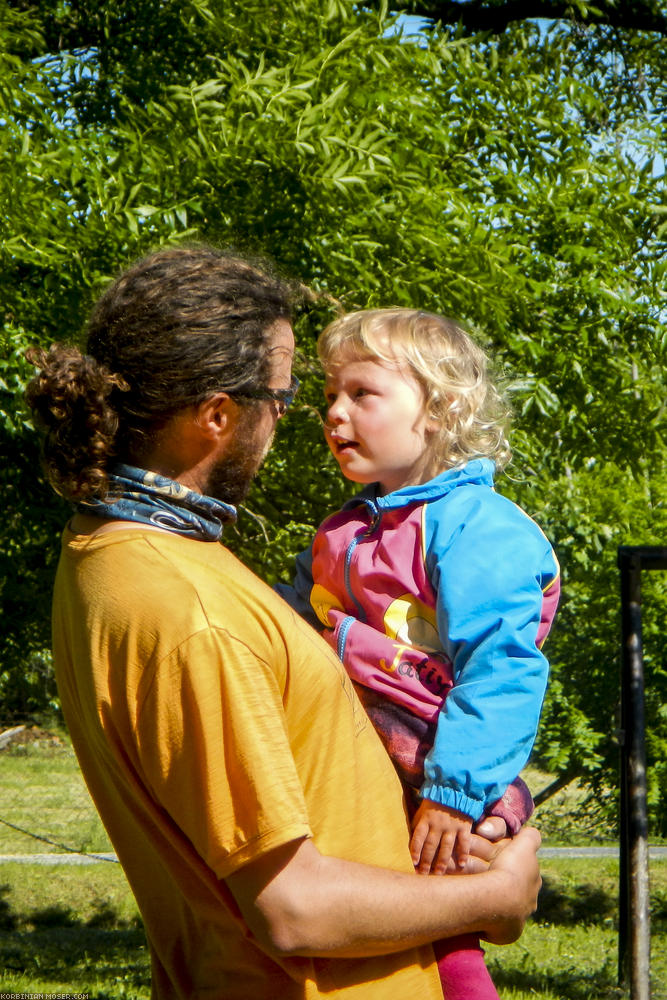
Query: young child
435	591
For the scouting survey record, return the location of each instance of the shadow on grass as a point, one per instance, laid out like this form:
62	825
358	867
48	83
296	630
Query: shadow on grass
575	986
575	904
54	944
7	918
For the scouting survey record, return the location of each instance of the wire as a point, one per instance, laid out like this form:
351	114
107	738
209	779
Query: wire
55	843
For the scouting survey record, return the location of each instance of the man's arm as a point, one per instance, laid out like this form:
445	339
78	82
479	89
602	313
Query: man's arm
296	901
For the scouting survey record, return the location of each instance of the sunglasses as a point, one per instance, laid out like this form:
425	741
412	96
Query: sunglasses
283	397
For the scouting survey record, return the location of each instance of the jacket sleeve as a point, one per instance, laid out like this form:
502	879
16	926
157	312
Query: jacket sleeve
494	574
298	593
405	675
515	807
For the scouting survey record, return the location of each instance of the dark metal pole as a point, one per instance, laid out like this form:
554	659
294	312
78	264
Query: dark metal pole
623	867
633	877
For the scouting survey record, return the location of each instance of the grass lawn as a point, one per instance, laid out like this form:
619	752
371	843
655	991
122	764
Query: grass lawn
76	929
44	794
71	929
570	948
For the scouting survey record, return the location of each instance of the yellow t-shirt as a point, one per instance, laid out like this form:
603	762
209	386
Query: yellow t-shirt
213	725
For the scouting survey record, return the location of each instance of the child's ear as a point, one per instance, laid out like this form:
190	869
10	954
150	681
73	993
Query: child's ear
434	420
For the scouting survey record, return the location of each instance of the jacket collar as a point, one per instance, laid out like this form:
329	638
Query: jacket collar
477	472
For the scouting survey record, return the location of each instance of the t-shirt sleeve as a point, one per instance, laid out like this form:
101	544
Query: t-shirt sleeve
213	742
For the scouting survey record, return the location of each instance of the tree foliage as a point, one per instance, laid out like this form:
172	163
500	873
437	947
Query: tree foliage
510	178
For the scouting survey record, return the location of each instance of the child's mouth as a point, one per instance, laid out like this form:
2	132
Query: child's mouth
343	444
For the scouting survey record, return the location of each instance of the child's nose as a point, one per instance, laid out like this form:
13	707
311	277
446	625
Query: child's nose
337	412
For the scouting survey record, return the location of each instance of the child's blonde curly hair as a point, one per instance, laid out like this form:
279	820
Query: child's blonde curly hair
471	413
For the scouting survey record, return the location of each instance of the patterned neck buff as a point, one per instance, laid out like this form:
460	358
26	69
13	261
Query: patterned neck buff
146	497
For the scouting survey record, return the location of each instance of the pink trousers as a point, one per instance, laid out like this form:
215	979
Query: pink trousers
463	972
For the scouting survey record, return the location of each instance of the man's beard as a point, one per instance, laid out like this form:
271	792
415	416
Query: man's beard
231	478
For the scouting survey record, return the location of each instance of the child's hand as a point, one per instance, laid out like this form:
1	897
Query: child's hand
438	834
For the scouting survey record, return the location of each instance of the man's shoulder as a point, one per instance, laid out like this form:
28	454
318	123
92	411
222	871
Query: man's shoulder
159	573
163	596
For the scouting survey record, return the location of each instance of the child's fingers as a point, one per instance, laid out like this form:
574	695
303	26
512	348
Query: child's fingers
428	846
463	845
417	842
441	861
429	851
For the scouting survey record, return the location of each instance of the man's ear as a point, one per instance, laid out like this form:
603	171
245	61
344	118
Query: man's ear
217	416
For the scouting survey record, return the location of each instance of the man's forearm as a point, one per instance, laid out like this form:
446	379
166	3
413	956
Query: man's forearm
299	902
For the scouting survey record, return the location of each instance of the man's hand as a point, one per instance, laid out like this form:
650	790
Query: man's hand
438	835
484	847
516	863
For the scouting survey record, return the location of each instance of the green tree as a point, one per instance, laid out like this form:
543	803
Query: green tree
511	177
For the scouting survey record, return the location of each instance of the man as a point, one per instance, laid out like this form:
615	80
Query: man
255	813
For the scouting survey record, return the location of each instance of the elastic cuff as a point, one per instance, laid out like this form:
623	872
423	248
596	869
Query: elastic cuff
453	799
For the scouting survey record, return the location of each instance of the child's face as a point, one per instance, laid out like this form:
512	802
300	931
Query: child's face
376	425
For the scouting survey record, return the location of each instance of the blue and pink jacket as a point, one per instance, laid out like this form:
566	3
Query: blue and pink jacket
437	598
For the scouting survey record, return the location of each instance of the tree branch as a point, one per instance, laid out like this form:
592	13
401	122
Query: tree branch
561	781
486	15
79	25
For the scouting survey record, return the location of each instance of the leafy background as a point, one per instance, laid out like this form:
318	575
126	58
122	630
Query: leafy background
511	179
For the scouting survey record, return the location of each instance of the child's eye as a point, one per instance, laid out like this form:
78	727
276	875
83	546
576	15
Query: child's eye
360	391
